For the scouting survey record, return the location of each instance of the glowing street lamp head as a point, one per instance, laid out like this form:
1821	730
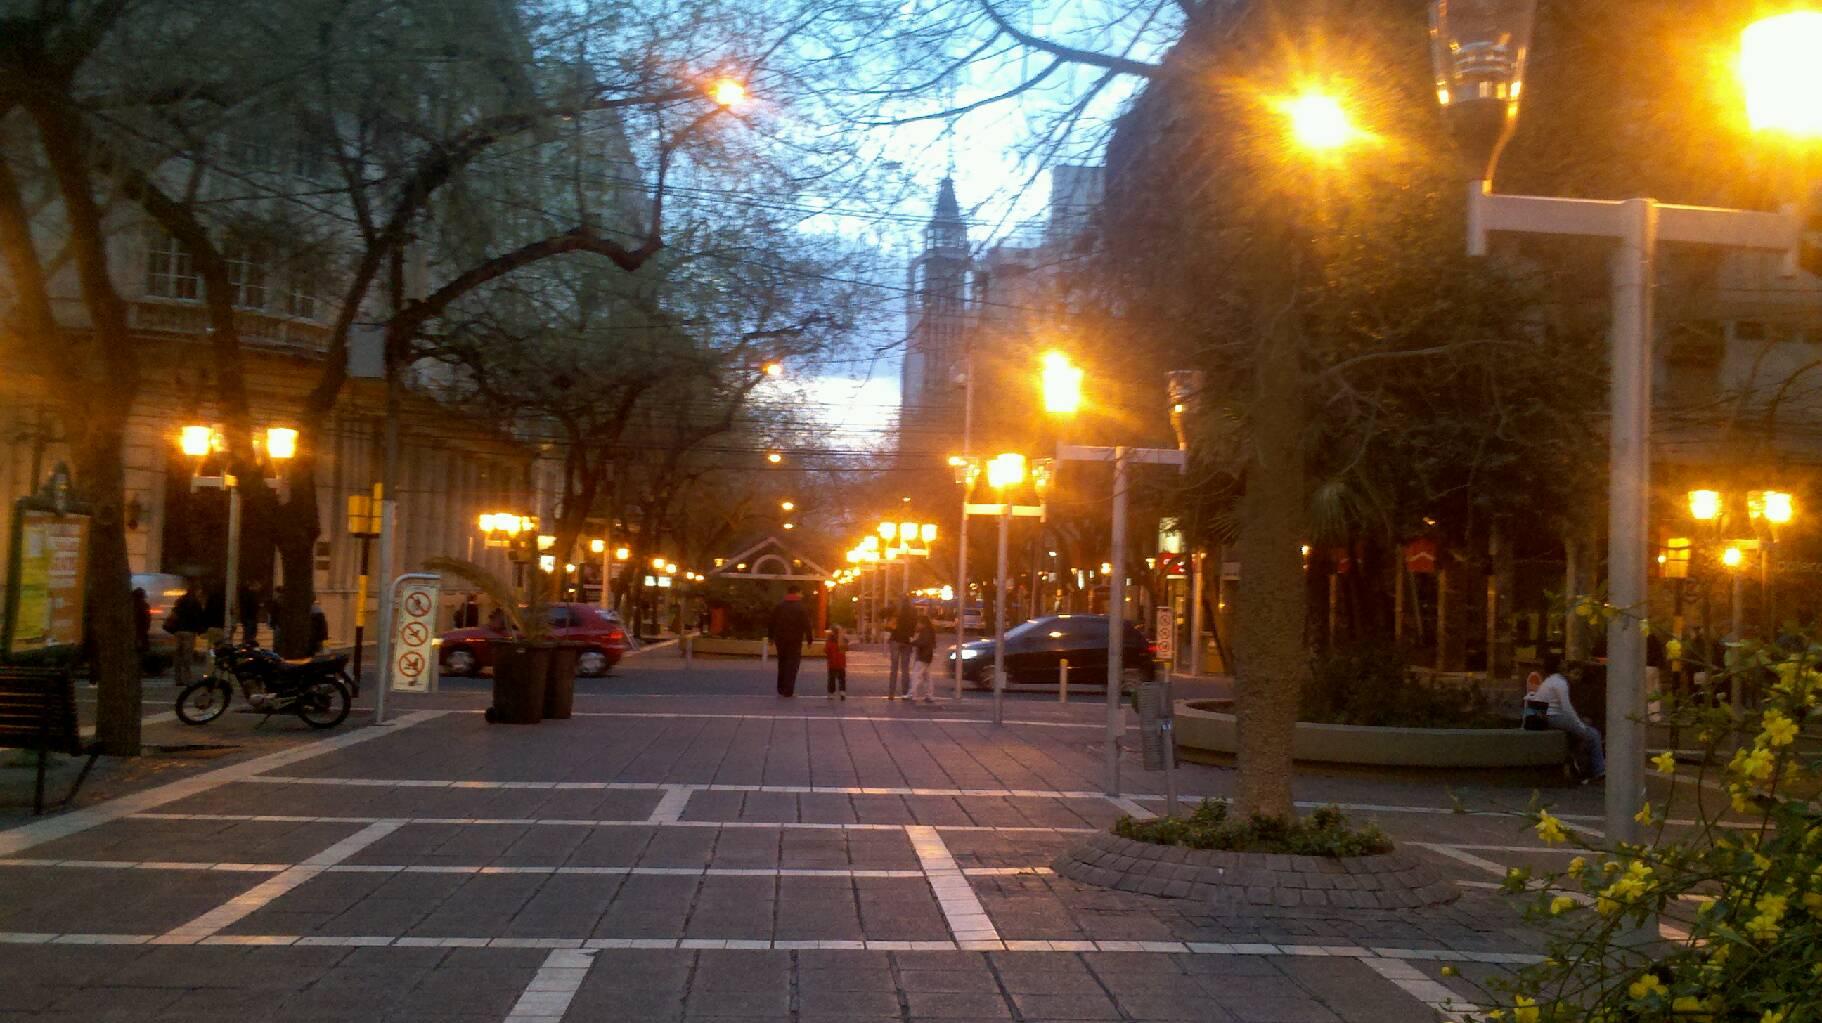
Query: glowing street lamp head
1318	122
774	369
281	443
486	522
728	92
1007	470
788	505
622	553
774	457
1782	75
927	532
196	441
888	530
1704	505
1732	557
1062	384
1774	506
598	546
907	532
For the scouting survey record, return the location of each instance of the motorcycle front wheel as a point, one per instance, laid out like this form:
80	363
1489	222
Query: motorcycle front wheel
204	701
323	704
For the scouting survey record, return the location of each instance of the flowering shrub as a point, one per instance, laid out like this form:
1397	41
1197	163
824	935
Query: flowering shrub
1733	869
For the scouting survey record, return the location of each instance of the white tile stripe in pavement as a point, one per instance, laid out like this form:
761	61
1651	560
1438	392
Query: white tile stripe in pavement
883	719
1412	982
19	839
553	987
670	808
962	909
643	822
419	868
1441	955
1127	803
263	894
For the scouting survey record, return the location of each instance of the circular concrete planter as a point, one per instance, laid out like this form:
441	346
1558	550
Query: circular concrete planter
1391	880
1205	726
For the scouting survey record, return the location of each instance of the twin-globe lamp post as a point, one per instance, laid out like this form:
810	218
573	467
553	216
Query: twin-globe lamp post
1479	49
1062	387
199	442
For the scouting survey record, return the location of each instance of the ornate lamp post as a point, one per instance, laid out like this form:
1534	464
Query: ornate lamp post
1479	48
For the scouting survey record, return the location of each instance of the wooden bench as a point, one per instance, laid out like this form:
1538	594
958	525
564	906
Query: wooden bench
38	710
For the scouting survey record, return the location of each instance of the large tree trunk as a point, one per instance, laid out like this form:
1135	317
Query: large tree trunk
296	526
1269	633
101	480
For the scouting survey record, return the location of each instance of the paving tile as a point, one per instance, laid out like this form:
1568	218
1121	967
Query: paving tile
953	1005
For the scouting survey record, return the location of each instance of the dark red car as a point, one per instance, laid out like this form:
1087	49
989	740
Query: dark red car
467	651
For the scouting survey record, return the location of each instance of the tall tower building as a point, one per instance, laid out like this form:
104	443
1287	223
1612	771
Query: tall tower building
936	314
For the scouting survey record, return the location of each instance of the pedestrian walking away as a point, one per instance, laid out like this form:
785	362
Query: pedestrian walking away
898	650
1552	697
835	650
923	648
187	618
788	630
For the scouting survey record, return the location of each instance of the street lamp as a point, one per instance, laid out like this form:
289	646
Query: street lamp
1479	48
1062	383
1319	123
787	505
198	441
1705	505
1781	75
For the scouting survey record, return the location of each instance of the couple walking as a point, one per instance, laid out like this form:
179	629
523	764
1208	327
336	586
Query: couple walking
912	635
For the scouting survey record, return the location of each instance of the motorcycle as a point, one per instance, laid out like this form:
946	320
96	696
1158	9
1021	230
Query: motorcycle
318	690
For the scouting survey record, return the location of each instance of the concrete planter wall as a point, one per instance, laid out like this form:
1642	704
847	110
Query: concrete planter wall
1394	880
1206	726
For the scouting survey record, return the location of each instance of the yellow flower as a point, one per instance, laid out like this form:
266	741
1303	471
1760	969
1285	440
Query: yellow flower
1690	1007
1644	814
1742	798
1665	762
1673	649
1561	904
1763	927
1646	986
1772	1016
1549	829
1755	765
1524	1010
1449	971
1577	867
1779	730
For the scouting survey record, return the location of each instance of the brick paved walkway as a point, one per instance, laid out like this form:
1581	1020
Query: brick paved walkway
680	850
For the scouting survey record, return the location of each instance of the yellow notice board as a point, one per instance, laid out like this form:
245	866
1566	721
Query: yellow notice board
53	557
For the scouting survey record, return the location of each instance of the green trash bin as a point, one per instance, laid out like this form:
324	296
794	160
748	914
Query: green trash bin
520	671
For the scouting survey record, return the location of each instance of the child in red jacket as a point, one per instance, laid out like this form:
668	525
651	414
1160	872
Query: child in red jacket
835	648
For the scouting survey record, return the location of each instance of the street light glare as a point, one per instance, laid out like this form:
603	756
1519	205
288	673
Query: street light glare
1782	75
1062	384
1318	122
1777	507
788	505
1704	505
281	442
774	457
1732	558
196	440
729	93
1007	470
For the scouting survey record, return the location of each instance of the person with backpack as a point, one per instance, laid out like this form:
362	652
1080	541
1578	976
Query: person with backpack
835	650
923	647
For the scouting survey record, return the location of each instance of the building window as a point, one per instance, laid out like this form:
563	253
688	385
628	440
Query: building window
247	276
300	298
170	271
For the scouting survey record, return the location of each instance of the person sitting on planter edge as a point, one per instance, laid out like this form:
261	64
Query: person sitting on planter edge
1559	713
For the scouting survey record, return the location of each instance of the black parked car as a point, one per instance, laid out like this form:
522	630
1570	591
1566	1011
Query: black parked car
1035	650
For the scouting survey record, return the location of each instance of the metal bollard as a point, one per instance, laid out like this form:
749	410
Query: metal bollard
1158	741
1063	682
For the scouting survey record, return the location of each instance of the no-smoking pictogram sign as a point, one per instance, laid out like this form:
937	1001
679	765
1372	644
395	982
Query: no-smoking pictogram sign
414	635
